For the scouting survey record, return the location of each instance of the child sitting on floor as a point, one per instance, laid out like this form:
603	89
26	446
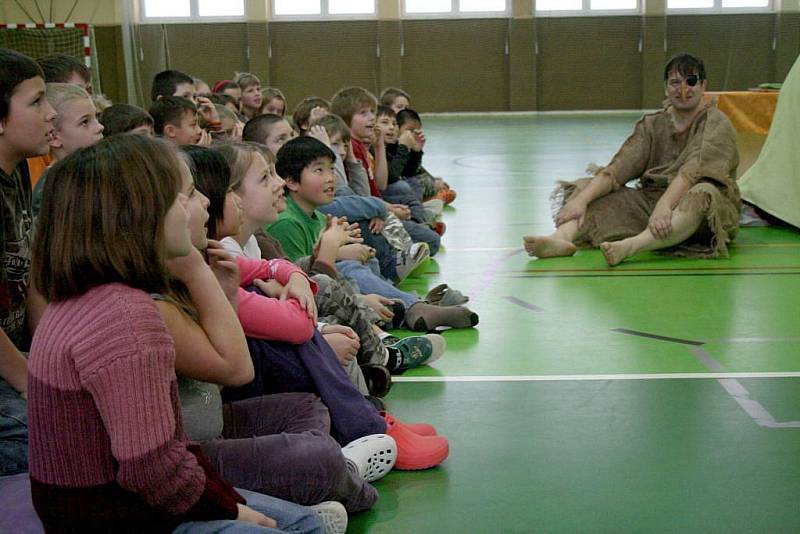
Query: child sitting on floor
274	102
291	357
270	130
395	98
425	185
59	68
26	121
357	106
251	100
76	126
124	118
306	165
175	119
229	88
127	464
352	182
309	110
273	444
176	83
260	207
274	132
404	158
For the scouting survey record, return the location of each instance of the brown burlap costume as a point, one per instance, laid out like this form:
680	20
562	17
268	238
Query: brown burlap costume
655	154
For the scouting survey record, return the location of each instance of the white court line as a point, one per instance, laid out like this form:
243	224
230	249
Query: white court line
587	378
740	394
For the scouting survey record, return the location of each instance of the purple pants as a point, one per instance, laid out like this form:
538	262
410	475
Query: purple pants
280	445
310	367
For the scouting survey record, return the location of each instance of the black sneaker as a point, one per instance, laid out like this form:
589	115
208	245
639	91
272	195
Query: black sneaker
378	379
399	310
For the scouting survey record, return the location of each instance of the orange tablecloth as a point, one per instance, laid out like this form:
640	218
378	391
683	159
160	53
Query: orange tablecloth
749	111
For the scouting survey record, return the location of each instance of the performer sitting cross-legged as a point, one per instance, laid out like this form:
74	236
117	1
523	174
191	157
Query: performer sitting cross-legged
686	199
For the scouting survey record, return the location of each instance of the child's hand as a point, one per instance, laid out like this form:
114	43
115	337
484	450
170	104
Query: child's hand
408	139
248	515
350	155
224	267
320	134
377	138
336	233
317	113
299	289
376	225
356	252
207	109
184	268
270	288
420	136
205	138
344	342
236	133
353	232
401	211
381	306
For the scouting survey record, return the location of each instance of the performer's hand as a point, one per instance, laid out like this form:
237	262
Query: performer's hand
572	210
660	224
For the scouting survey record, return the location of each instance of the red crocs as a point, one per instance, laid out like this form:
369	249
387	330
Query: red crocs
415	451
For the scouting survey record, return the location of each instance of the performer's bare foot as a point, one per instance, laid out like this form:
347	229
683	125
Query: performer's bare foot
616	252
548	247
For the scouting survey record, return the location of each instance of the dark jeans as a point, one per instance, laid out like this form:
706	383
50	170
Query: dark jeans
310	367
421	233
401	192
13	431
384	252
280	445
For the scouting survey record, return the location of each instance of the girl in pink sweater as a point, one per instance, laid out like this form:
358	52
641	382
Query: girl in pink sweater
107	449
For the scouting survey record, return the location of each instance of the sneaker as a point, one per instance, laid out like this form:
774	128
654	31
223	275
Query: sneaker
378	379
399	310
439	227
415	452
408	260
435	205
372	457
333	516
414	351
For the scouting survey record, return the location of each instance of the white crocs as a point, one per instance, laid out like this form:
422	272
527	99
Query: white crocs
372	456
333	516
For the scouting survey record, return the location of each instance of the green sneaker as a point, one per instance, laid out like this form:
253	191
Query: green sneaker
414	351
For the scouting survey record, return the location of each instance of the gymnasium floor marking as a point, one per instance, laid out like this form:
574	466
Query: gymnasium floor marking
489	274
523	304
656	269
620	274
657	337
595	378
739	393
752	339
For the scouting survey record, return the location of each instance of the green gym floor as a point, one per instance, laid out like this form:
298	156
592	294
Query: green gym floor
662	395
